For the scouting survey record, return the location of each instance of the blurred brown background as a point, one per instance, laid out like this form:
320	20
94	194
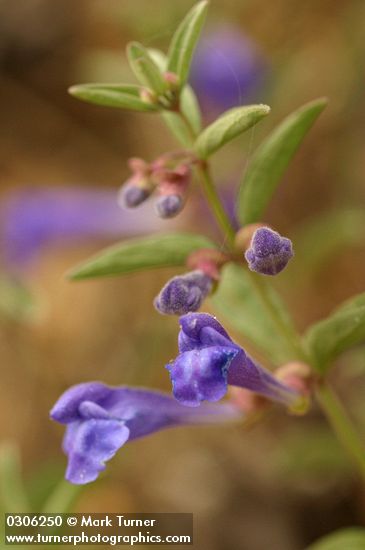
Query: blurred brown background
282	484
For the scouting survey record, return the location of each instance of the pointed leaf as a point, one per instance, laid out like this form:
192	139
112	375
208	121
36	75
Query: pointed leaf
238	302
122	96
228	126
340	331
169	249
271	160
351	538
145	69
183	42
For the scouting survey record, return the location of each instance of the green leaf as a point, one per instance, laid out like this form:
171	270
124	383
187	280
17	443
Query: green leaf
340	331
145	69
122	96
169	249
271	160
228	126
352	538
238	302
183	42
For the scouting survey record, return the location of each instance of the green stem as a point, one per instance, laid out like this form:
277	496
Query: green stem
215	203
341	424
210	191
330	404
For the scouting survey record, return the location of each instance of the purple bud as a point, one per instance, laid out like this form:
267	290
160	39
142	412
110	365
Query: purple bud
269	252
183	293
168	206
131	196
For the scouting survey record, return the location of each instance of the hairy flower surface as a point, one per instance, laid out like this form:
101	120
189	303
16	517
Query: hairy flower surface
184	293
100	419
269	252
209	361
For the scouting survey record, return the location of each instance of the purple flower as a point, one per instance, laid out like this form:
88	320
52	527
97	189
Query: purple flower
184	293
227	69
100	419
33	218
269	252
209	361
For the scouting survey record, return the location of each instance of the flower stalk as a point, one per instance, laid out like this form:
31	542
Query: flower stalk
341	424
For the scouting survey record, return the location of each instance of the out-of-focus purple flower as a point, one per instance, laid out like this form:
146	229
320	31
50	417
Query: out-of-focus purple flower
33	218
269	252
227	69
184	293
100	419
209	361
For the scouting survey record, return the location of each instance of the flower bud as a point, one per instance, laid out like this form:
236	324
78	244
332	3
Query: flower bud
147	96
269	252
172	188
244	235
183	293
172	80
131	195
139	187
169	206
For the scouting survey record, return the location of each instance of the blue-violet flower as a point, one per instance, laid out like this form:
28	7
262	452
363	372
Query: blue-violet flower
241	74
100	419
209	361
184	293
269	252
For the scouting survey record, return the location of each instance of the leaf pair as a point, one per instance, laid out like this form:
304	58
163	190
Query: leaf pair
147	71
